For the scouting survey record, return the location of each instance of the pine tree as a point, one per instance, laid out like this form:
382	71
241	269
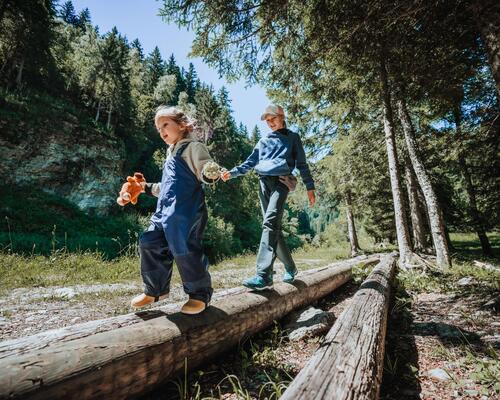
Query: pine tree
155	69
256	134
68	13
192	82
83	19
136	44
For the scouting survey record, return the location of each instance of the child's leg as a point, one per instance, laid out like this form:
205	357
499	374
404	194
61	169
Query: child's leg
156	262
196	280
191	262
284	255
277	193
282	250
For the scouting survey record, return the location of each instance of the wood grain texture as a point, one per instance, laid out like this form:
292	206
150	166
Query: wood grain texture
349	363
124	356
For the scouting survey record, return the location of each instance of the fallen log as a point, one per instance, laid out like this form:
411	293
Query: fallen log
349	363
133	354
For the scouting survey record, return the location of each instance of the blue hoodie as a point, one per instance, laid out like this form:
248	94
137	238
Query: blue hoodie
277	153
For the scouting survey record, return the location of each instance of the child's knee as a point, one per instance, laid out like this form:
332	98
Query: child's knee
152	239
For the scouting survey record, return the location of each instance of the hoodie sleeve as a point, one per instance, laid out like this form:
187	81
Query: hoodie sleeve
152	189
301	163
196	156
247	165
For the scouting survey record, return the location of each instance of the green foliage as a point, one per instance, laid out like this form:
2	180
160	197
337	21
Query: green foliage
219	240
54	223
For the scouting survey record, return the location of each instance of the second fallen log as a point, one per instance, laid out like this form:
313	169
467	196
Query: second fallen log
349	363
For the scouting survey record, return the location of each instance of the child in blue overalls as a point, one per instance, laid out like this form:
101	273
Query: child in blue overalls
274	158
177	226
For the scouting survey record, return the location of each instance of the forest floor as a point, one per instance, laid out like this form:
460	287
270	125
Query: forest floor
442	342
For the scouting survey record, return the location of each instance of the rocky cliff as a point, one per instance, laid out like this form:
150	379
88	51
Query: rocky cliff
61	153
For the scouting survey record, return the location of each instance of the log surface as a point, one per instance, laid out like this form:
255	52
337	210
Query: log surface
349	363
124	356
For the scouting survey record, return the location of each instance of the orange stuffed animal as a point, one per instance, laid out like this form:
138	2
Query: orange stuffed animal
131	189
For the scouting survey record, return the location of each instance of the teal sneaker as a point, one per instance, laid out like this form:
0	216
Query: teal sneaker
258	283
289	276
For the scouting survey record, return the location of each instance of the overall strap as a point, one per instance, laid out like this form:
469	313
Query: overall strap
181	149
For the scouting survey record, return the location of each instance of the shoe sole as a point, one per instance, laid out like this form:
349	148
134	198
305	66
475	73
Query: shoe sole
162	297
258	289
193	313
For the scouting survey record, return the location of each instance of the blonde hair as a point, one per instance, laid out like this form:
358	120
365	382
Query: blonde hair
181	118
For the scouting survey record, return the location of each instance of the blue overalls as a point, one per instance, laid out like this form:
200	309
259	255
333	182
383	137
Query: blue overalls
175	233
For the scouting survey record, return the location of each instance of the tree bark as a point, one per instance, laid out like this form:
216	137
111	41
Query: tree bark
125	356
351	228
349	363
110	111
402	231
436	220
417	212
19	77
98	111
473	210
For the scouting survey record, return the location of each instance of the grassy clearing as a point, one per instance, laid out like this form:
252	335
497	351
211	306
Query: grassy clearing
63	268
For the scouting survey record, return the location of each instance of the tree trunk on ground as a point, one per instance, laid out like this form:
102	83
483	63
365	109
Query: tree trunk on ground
351	228
417	211
125	356
486	13
350	361
402	231
473	210
436	220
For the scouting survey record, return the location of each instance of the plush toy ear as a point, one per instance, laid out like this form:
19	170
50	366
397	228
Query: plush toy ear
139	177
130	179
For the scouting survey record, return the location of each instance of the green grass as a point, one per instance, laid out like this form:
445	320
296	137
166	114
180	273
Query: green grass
64	267
467	249
467	246
69	268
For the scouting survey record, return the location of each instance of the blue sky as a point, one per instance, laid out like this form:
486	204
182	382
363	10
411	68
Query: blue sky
139	19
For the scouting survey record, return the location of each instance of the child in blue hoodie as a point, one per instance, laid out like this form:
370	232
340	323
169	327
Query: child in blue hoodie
274	158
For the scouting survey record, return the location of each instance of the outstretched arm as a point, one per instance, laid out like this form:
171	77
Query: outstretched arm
247	165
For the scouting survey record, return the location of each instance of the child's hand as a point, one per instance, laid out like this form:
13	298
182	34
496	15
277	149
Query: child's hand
131	189
225	175
312	197
211	170
289	181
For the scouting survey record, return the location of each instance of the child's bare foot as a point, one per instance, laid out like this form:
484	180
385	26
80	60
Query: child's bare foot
143	300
